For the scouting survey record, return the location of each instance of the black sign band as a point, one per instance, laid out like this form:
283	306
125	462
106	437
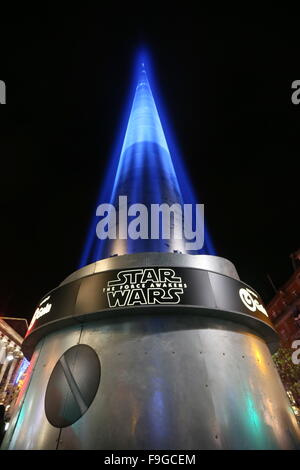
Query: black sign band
146	288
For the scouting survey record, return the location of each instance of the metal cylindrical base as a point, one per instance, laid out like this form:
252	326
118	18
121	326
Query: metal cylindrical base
185	376
167	382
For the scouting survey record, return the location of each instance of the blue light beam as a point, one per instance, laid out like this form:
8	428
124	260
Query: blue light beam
146	174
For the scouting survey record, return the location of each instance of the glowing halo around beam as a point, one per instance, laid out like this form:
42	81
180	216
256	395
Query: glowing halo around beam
144	135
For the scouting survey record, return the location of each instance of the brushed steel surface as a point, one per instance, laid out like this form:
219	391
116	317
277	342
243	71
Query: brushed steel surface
183	383
211	263
33	430
171	380
167	382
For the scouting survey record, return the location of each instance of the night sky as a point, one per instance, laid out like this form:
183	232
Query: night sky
226	89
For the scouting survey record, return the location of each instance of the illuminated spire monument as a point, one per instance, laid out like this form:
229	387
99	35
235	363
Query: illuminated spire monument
147	346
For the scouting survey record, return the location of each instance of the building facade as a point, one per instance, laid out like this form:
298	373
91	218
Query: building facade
284	308
11	364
